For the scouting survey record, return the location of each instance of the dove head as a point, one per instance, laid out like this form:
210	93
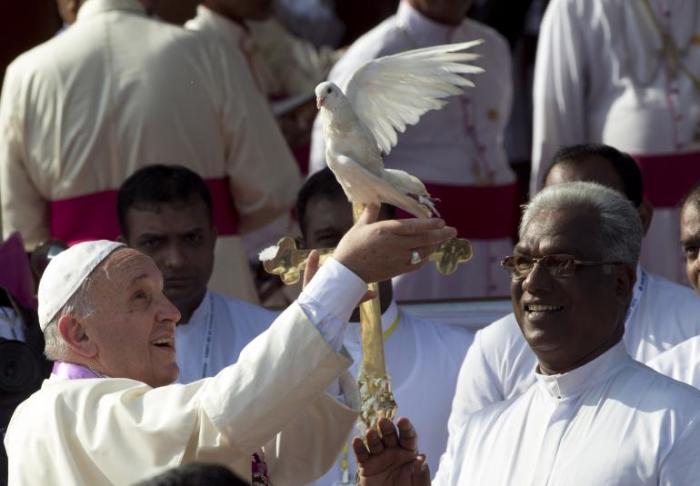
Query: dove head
328	96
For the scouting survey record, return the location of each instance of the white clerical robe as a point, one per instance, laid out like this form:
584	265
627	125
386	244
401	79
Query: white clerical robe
499	364
216	334
118	91
681	362
610	422
457	148
600	77
118	431
423	360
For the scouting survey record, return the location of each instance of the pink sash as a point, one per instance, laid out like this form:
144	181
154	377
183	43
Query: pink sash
94	216
478	212
667	178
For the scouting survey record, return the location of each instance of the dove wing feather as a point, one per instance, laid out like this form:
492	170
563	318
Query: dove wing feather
391	92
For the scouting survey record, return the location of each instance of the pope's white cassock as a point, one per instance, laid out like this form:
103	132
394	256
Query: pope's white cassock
457	152
118	91
217	332
500	365
422	359
602	76
610	422
118	431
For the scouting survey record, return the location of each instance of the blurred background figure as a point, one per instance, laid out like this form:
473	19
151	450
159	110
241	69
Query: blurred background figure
457	151
111	107
195	474
422	357
625	74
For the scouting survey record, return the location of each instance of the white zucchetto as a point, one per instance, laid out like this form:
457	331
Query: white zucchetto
66	271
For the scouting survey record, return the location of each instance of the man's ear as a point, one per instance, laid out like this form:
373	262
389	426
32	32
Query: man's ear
646	214
73	332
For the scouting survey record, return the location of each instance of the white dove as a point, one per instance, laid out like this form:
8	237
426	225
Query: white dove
382	97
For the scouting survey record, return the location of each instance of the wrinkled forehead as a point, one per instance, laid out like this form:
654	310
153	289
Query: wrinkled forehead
122	267
569	231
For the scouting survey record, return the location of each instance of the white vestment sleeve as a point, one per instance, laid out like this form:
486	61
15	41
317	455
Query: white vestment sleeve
23	208
559	87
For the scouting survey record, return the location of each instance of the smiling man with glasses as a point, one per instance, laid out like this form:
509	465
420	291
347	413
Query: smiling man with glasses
594	416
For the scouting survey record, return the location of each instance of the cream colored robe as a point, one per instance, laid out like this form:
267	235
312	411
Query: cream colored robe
119	431
118	91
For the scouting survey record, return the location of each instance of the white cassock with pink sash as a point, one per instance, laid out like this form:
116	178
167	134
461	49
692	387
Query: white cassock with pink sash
600	77
83	111
457	152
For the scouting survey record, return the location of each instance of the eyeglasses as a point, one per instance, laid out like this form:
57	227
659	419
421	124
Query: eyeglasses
560	266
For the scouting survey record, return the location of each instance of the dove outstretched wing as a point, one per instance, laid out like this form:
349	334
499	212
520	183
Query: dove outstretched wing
391	92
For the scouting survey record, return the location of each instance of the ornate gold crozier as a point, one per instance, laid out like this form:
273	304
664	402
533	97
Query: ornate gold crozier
375	386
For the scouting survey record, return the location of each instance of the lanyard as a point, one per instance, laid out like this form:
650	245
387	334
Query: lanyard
208	339
636	295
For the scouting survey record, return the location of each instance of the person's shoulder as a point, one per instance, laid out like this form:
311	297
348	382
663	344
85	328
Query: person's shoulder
490	36
240	308
503	332
666	292
655	391
377	42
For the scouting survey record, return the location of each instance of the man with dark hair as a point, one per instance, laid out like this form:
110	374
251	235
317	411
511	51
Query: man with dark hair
661	314
166	213
422	357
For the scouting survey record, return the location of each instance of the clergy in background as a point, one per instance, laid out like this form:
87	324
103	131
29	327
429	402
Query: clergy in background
108	415
682	362
165	212
624	74
661	314
594	415
422	357
457	151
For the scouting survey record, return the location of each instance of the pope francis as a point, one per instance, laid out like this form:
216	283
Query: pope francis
109	415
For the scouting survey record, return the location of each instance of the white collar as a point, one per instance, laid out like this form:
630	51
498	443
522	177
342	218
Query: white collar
388	320
577	381
94	7
223	25
422	30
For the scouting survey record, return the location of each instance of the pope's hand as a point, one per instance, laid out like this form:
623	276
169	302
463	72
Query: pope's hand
378	251
391	459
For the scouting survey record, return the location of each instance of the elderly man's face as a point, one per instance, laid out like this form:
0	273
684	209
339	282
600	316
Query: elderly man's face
180	238
568	320
690	240
133	323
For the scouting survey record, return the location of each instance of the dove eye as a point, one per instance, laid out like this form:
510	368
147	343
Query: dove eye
328	91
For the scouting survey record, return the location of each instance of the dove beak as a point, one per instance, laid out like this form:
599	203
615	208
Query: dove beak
319	101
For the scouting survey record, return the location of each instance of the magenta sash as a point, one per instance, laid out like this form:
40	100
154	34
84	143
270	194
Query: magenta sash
94	216
667	178
478	212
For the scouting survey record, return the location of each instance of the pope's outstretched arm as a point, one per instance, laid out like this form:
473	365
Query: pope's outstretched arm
119	431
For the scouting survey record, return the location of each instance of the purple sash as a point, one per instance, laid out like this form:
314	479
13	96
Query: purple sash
72	371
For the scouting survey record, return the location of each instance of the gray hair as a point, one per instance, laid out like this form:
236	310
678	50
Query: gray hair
55	347
620	225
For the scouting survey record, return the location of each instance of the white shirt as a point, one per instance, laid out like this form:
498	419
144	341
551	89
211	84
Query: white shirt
422	360
118	431
499	365
440	148
599	78
118	91
218	330
682	362
610	422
